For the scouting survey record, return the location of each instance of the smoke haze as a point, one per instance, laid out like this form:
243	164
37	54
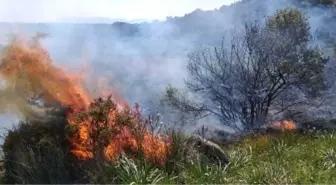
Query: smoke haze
140	60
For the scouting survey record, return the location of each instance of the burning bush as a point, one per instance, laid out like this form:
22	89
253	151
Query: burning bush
60	151
103	132
89	133
103	129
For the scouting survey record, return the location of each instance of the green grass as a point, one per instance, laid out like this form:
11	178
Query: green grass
287	158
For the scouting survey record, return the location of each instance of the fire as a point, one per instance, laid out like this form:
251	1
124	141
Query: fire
127	137
27	66
284	125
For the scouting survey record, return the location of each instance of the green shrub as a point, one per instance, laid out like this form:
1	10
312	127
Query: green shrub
176	160
37	152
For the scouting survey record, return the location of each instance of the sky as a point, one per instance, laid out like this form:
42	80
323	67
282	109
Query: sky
56	10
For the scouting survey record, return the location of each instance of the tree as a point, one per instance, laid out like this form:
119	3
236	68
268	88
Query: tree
241	80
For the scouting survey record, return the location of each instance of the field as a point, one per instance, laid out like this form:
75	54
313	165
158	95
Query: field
285	158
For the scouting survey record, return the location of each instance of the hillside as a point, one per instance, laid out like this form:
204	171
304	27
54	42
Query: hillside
138	57
195	25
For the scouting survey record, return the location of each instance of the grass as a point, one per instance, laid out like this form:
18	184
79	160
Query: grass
287	158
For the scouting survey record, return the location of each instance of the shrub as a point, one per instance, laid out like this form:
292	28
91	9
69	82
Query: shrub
36	152
177	158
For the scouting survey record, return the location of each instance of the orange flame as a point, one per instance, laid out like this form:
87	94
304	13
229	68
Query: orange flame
28	66
31	65
284	125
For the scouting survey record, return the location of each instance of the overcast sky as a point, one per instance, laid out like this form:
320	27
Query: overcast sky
54	10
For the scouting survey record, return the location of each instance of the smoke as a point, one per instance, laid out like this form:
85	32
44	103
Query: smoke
140	60
32	83
12	102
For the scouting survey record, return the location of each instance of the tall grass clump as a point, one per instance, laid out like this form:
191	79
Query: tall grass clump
126	171
36	152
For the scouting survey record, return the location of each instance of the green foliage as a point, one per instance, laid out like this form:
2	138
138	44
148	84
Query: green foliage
290	22
287	158
36	153
99	110
130	172
311	73
125	171
202	173
177	158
